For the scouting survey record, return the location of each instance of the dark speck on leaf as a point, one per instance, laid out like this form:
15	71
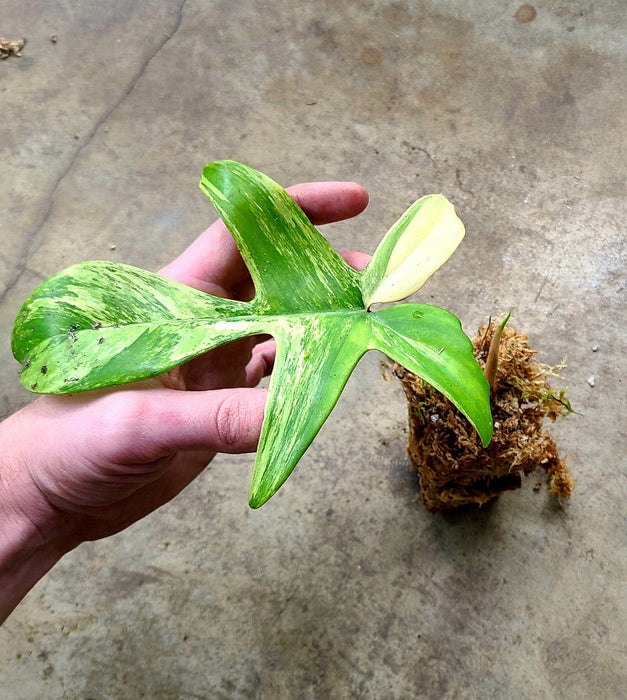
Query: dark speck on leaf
43	369
34	385
71	379
26	364
74	327
100	341
96	325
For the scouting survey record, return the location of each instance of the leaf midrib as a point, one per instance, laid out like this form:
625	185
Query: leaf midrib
255	317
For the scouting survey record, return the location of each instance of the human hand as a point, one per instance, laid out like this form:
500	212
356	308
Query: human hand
85	466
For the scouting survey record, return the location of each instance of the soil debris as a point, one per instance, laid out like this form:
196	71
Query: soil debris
8	48
447	454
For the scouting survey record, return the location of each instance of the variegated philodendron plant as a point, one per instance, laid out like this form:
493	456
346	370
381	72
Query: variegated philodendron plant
99	324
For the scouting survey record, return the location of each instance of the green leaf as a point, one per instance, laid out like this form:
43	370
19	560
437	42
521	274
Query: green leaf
293	267
100	324
430	342
315	357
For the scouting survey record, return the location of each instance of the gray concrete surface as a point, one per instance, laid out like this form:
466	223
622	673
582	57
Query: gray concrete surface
343	585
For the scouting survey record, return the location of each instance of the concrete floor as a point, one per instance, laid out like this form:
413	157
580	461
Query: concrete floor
343	585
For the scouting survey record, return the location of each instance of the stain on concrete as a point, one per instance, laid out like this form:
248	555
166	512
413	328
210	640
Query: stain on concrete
525	13
371	55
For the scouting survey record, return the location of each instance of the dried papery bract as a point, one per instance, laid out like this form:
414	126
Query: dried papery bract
492	360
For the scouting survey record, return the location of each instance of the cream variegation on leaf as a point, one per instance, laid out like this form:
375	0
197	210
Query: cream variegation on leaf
418	244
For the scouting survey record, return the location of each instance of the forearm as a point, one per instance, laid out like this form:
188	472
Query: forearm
31	539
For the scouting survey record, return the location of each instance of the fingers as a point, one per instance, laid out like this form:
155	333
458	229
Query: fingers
221	368
356	259
212	262
326	202
242	363
261	362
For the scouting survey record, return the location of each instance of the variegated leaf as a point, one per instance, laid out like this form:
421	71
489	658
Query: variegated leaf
315	357
430	342
293	267
100	324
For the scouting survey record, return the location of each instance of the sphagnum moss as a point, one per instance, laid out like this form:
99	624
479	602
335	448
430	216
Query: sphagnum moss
453	466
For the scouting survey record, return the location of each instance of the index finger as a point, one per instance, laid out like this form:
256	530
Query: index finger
212	263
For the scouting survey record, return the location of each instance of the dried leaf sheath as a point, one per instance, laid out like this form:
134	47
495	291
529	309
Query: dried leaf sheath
492	361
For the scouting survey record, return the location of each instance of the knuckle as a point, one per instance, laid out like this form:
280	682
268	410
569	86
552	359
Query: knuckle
230	417
143	425
127	411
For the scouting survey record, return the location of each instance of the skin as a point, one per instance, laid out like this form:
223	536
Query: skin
140	445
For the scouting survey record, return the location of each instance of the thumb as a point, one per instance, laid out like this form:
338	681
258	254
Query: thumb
222	420
225	420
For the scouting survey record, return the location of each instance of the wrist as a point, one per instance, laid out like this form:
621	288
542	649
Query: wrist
24	558
33	537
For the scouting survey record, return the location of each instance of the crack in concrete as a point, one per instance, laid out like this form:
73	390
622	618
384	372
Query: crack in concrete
458	178
21	265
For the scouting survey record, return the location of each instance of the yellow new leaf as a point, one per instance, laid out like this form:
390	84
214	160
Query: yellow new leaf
418	244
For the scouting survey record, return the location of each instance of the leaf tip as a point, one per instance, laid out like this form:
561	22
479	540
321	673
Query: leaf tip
486	434
257	498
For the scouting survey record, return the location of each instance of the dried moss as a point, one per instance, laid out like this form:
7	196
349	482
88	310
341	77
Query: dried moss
445	450
11	48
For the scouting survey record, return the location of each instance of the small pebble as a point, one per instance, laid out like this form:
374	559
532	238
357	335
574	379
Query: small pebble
591	381
53	38
595	348
112	246
435	417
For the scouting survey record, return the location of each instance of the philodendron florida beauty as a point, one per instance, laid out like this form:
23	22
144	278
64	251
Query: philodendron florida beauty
99	324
